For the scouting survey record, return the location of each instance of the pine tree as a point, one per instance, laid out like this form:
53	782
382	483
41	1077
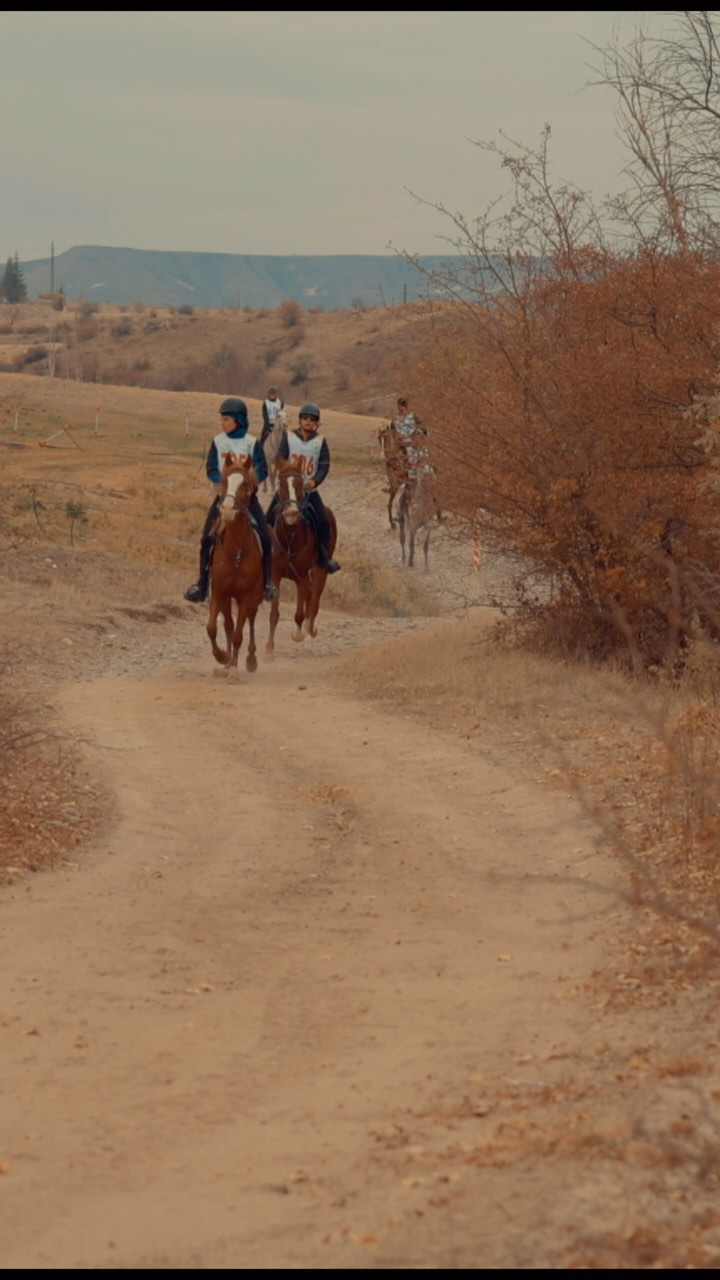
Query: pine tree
13	287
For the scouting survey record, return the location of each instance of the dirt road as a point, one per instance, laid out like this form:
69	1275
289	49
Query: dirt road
251	1028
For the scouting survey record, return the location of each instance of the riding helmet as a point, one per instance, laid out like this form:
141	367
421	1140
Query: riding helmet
233	407
309	411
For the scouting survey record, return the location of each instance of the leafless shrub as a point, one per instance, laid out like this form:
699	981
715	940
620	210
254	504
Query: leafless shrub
290	313
33	355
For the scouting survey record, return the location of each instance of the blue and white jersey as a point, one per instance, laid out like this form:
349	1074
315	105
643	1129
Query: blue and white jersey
240	446
406	426
304	455
418	459
272	409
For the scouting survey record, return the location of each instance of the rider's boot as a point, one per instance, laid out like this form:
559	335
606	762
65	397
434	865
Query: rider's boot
325	560
198	592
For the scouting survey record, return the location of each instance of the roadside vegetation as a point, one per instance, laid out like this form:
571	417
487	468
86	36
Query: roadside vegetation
574	374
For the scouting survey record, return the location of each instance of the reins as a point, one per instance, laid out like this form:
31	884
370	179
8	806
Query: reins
288	551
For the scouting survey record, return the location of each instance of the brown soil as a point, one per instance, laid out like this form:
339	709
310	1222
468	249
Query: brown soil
313	983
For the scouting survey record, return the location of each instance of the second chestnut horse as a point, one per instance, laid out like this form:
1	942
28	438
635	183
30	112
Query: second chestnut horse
295	554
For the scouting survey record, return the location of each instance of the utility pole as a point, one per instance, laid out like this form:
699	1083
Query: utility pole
52	266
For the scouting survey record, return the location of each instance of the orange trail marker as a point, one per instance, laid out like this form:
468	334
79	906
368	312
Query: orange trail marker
476	551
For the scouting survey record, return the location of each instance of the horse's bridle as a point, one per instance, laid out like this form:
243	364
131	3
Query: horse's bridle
288	551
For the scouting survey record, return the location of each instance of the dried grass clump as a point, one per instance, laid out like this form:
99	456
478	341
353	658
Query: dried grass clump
48	805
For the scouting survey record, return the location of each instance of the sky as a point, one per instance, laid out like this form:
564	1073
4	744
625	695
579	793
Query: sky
287	132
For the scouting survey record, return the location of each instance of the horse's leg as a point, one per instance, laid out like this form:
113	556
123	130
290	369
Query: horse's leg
219	654
301	601
411	553
274	617
426	545
401	523
227	613
319	578
251	656
237	635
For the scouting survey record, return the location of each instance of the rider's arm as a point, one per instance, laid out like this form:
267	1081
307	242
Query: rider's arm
259	461
212	465
323	465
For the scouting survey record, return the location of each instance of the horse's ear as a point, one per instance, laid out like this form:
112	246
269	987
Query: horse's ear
230	461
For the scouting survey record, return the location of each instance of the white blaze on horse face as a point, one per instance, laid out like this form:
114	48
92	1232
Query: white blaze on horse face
227	506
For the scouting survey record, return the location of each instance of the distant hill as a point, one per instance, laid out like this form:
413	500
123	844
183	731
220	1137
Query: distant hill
158	278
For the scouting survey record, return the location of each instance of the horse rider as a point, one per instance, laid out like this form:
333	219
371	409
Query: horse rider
406	423
233	438
308	453
272	404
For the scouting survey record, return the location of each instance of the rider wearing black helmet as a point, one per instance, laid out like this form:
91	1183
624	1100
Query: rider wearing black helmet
233	438
308	453
272	404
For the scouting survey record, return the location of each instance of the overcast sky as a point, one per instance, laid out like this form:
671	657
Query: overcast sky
286	132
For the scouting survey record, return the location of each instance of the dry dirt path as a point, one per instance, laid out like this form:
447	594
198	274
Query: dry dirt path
257	1023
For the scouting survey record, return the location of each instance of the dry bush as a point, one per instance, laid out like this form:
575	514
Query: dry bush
48	805
289	313
564	419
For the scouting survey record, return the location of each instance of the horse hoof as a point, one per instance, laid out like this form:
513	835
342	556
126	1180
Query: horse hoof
298	635
251	664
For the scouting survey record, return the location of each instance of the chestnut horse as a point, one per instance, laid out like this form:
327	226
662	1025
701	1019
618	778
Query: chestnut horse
237	569
396	465
295	556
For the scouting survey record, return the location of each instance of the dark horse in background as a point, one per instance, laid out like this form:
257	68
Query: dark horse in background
295	554
236	575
